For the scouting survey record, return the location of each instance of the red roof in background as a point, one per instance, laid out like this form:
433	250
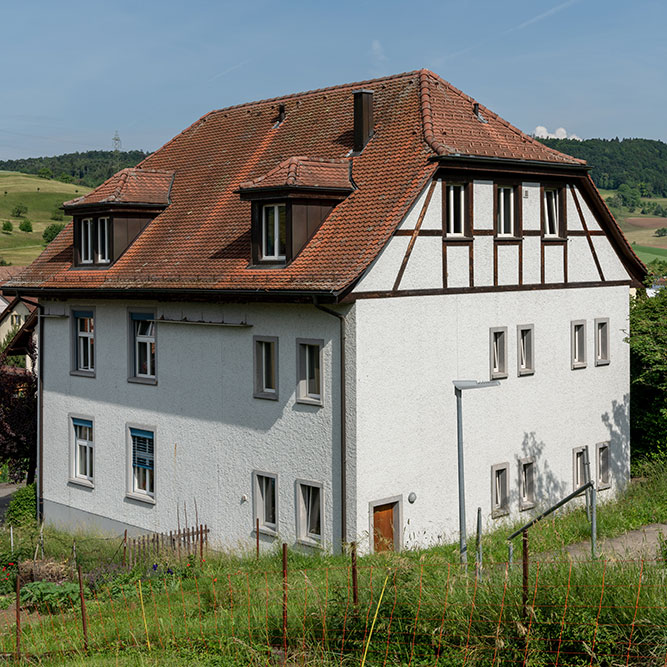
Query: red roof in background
202	239
305	172
130	186
7	272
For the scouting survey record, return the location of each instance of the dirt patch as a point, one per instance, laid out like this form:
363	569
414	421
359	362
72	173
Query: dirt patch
647	223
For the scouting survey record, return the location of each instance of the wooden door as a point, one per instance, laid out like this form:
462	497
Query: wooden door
383	527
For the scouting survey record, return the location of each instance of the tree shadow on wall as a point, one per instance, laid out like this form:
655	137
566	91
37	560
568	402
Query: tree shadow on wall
617	422
548	488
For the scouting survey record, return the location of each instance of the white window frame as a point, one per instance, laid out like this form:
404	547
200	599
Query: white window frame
500	505
527	483
143	339
302	517
273	253
552	231
456	228
502	191
579	472
133	489
83	340
525	349
498	353
265	527
87	247
602	340
303	394
76	476
578	343
262	390
601	483
103	228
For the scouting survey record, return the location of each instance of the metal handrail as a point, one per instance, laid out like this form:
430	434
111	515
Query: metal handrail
553	508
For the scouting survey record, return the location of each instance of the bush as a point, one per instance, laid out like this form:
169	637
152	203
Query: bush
7	226
25	226
19	210
22	507
46	596
57	215
52	231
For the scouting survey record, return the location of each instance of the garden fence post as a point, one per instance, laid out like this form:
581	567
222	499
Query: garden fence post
125	548
510	552
201	543
84	620
18	617
284	603
11	538
41	540
257	535
479	542
594	522
74	550
355	586
525	573
587	465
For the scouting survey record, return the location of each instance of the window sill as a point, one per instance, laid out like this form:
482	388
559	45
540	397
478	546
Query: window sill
497	514
269	532
304	400
526	371
498	376
149	500
602	362
141	380
86	483
310	542
526	506
603	487
266	395
577	365
83	374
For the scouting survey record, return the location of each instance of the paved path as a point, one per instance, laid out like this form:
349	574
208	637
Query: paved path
6	492
641	543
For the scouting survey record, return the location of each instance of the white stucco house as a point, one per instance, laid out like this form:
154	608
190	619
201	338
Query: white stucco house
267	315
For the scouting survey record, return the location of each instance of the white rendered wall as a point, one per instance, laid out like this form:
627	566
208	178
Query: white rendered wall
210	433
410	349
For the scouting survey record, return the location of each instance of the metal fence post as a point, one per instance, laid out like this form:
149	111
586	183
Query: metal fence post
478	565
510	552
84	620
18	617
525	573
594	522
284	603
355	585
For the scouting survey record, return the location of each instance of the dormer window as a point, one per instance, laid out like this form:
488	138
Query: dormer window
94	241
274	232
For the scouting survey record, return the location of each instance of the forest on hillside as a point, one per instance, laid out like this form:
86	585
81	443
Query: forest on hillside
639	163
89	168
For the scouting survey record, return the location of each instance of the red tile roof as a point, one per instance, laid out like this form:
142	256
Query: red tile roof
7	272
202	239
130	186
305	172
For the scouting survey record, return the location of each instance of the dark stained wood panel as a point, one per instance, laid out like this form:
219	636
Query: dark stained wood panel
383	527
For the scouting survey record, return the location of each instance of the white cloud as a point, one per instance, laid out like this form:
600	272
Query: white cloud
541	132
377	52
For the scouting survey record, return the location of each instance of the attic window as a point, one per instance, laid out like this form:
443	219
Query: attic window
274	226
93	241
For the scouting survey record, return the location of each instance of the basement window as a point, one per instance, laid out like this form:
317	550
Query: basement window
602	466
500	490
579	472
265	502
526	484
309	513
498	352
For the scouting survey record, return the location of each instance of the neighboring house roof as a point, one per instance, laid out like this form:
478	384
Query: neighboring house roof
201	241
8	272
130	186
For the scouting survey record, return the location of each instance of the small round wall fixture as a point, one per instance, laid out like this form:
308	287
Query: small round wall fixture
412	497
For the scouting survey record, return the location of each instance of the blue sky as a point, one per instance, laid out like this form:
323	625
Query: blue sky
73	72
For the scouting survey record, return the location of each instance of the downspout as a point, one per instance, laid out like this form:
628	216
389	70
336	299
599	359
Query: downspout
40	404
343	430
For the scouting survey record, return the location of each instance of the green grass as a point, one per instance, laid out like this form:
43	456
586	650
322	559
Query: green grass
42	197
648	254
228	610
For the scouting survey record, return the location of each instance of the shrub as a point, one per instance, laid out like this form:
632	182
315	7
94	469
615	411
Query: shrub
52	231
47	596
22	507
57	215
25	225
7	226
19	210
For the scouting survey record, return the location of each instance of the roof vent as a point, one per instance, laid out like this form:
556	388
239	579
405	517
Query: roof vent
281	116
476	111
363	118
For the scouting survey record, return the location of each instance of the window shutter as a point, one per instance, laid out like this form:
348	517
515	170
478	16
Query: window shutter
142	317
82	422
83	313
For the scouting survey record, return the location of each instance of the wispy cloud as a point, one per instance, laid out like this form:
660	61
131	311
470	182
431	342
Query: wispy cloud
516	28
377	52
230	69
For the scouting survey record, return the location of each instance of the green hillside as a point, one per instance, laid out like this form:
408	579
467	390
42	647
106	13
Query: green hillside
42	197
89	168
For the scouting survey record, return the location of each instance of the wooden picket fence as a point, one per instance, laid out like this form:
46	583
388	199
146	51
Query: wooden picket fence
179	544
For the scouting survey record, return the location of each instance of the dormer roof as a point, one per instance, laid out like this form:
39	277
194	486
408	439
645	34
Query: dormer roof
304	172
132	186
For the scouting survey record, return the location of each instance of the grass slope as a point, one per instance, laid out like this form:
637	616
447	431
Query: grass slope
42	197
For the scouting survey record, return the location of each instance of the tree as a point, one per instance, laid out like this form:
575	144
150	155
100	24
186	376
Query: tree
629	196
661	232
57	214
7	226
52	231
45	172
19	210
648	372
18	419
25	225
